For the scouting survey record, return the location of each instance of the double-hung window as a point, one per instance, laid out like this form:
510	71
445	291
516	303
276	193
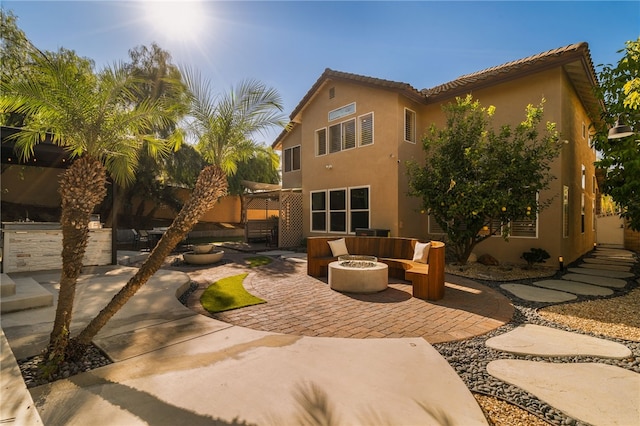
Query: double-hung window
292	159
319	211
338	210
409	125
365	127
342	136
358	208
321	142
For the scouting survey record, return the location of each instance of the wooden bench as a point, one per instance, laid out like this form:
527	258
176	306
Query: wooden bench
396	252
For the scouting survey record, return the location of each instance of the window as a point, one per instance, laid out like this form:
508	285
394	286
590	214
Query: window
342	136
321	142
584	177
359	208
434	227
335	138
338	210
524	228
565	211
349	134
593	214
292	159
409	125
319	211
365	123
582	213
331	211
584	131
332	93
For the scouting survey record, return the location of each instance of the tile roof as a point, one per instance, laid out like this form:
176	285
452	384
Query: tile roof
574	58
535	63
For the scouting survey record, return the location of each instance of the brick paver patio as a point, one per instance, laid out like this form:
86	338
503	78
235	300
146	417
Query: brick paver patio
302	305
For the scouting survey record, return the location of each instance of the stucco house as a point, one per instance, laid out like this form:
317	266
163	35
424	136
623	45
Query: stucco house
351	135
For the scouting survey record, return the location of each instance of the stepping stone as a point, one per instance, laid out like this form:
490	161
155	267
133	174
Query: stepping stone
597	394
609	267
537	294
601	273
531	339
594	279
575	287
607	261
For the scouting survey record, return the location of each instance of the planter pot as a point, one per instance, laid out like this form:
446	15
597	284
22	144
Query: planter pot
203	248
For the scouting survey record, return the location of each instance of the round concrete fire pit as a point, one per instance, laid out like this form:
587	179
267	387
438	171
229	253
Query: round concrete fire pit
358	275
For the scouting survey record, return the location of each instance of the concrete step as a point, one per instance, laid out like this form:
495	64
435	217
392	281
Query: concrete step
28	295
7	285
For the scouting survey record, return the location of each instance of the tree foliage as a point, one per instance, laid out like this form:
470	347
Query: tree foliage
98	120
477	179
620	158
223	127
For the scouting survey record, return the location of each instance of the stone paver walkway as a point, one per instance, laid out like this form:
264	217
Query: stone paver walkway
532	339
589	392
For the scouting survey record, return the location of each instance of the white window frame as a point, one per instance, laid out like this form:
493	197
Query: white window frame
565	211
345	211
317	140
411	138
360	131
352	210
290	152
312	211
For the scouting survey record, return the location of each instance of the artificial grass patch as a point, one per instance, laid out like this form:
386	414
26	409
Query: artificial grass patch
258	261
227	294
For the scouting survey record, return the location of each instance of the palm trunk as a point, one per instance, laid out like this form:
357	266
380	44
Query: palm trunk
82	188
211	185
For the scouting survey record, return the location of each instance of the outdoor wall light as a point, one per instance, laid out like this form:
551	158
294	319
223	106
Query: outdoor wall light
620	130
328	166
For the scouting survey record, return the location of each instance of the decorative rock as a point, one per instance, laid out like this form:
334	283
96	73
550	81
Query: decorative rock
487	259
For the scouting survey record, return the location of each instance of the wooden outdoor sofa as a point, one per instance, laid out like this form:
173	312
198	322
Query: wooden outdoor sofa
397	253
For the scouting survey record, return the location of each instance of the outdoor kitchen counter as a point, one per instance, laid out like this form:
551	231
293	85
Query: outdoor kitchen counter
37	246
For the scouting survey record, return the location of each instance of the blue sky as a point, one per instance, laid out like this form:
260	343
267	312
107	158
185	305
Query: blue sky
288	44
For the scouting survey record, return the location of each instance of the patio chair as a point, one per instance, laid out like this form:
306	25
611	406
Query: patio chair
140	239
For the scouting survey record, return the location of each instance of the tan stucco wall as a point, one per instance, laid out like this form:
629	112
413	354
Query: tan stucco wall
382	165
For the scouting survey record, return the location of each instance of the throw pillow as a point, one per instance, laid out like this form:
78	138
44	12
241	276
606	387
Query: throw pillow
338	247
421	252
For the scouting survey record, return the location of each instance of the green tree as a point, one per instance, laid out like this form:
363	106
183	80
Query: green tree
223	127
475	179
96	118
159	80
620	158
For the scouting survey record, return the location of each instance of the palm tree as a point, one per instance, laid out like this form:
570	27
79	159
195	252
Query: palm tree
98	120
223	127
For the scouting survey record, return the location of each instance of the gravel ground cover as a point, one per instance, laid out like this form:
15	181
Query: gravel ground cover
612	317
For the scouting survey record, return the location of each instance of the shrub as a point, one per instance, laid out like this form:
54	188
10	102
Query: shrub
535	255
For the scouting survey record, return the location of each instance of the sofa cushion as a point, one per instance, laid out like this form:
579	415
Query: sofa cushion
338	247
421	252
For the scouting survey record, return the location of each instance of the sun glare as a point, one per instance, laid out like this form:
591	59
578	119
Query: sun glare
176	20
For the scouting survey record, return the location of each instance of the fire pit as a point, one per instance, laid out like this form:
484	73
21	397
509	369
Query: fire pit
358	274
